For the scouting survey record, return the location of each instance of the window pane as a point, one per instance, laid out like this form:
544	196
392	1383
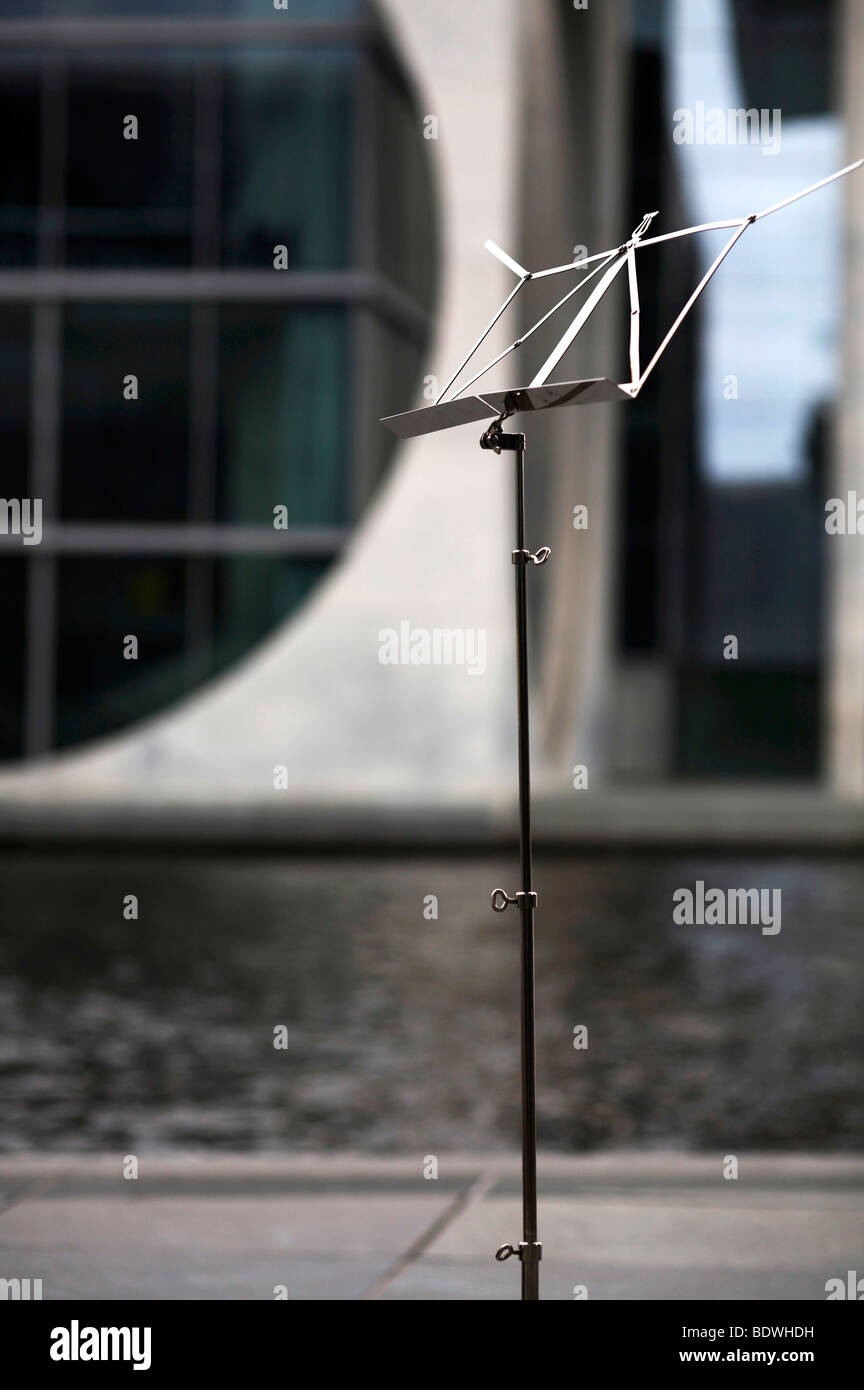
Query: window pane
405	224
287	127
130	200
125	460
19	167
13	608
14	399
392	366
283	377
99	604
749	725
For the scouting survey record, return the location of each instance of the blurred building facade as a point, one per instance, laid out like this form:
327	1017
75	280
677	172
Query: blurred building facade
373	144
167	158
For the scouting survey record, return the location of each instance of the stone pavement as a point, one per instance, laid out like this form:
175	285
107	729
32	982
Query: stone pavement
652	1225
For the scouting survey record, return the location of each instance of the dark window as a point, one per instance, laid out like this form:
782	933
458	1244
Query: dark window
125	459
404	213
745	724
129	201
284	392
19	167
14	400
287	124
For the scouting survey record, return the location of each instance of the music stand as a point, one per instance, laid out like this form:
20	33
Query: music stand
541	394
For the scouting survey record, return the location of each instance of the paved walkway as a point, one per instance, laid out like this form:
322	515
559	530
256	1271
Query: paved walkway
626	1226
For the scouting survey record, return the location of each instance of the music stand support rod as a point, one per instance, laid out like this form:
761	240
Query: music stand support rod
529	1250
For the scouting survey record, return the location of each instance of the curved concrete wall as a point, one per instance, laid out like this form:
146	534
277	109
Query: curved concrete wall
434	551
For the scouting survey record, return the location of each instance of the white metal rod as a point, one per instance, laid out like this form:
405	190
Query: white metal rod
584	314
505	259
634	315
527	334
715	265
640	241
483	336
812	189
576	265
689	231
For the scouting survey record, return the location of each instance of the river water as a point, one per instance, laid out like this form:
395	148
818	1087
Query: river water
400	1029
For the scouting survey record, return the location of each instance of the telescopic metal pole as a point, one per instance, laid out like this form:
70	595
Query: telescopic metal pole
529	1250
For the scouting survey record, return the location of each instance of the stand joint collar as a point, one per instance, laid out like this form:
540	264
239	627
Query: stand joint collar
525	557
501	900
